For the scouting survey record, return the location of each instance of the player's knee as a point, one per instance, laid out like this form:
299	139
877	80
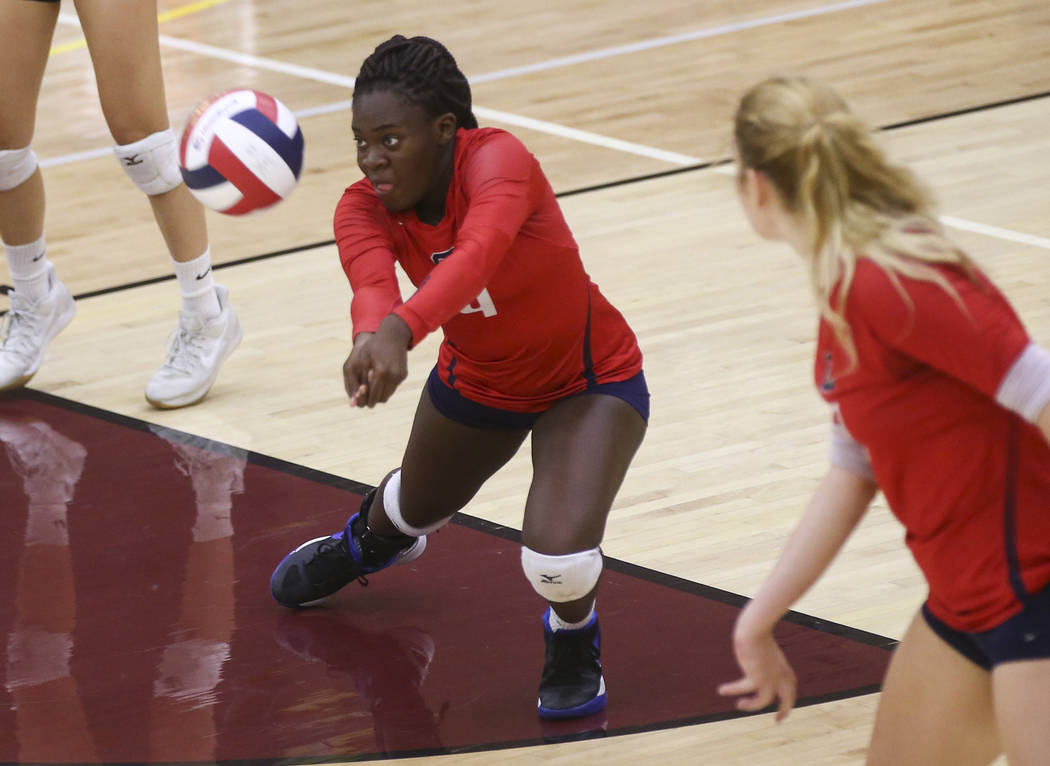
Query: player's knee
562	578
392	506
16	166
152	163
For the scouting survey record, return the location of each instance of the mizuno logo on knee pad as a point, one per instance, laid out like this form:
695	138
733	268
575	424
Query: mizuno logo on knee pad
562	578
152	163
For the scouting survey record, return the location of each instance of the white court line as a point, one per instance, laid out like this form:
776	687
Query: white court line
995	231
66	159
659	42
956	223
337	106
318	75
542	126
234	57
585	136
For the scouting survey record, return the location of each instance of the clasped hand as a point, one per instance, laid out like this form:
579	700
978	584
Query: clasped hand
378	363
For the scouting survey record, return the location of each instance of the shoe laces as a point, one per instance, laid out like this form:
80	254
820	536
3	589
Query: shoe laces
21	328
188	345
330	563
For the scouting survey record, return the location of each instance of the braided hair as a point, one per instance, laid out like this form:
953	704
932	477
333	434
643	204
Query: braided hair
424	72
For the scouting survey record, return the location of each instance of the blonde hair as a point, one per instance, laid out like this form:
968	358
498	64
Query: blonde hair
827	167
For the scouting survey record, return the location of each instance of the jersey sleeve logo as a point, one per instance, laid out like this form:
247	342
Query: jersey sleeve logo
483	303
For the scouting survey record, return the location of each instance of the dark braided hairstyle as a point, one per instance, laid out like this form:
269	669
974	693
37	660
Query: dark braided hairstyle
424	72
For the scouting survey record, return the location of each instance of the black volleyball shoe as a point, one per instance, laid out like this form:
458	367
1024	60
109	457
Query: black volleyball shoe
319	567
572	685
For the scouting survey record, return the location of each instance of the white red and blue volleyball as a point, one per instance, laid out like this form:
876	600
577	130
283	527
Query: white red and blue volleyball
241	151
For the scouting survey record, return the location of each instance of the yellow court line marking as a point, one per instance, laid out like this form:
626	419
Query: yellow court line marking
66	47
189	8
176	13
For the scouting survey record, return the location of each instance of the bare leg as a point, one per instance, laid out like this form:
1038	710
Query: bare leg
125	51
444	466
41	306
581	449
936	707
21	73
131	91
1022	708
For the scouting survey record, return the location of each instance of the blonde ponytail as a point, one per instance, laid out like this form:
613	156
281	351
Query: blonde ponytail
829	170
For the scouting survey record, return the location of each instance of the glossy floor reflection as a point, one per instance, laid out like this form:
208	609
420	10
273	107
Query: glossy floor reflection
138	626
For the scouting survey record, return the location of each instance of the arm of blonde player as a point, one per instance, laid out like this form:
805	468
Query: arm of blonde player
835	509
378	363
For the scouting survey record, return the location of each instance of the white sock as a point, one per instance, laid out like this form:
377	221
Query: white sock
557	623
29	268
197	285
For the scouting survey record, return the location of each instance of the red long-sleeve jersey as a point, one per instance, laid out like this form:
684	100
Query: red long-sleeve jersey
968	478
500	274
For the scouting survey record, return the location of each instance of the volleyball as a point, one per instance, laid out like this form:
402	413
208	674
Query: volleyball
241	151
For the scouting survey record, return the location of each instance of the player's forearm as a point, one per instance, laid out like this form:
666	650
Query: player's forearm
833	512
455	283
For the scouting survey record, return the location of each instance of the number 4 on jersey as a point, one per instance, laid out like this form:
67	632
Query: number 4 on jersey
482	303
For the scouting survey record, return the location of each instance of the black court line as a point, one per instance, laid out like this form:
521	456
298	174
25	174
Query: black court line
170	277
507	533
966	110
646	177
568	193
891	126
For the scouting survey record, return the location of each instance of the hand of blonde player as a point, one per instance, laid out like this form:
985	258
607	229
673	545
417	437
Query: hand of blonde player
767	676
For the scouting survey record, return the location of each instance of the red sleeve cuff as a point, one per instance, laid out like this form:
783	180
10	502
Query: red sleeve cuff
414	321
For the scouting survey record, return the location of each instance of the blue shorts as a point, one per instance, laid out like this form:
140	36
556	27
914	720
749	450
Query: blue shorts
1025	636
454	406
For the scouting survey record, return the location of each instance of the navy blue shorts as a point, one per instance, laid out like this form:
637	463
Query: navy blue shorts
454	406
1025	636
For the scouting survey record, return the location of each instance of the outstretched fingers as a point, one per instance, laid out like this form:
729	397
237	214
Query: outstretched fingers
754	697
767	677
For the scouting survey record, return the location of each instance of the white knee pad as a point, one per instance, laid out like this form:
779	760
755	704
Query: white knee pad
392	506
562	578
152	163
16	165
